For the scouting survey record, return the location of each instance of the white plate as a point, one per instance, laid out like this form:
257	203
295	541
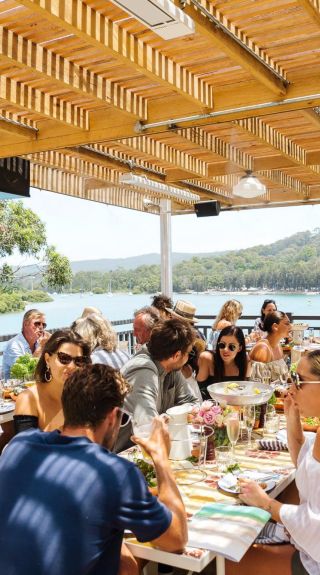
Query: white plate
9	406
270	485
243	395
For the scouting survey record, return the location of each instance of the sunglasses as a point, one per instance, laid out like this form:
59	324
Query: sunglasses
39	323
230	346
79	360
297	382
125	417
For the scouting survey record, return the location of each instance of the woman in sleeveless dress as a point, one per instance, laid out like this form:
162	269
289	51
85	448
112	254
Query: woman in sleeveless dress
267	354
228	363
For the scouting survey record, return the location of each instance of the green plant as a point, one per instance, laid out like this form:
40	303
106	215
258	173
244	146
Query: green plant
24	367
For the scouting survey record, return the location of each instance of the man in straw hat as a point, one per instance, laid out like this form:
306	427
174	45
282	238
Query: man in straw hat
155	375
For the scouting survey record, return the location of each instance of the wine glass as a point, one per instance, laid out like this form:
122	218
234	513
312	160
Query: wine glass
266	376
233	429
249	415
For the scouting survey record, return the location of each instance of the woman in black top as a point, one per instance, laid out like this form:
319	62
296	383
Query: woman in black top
228	363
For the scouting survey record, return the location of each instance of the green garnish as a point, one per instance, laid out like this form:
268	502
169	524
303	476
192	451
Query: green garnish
147	470
193	459
233	467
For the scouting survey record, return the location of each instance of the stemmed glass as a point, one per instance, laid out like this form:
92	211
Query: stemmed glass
249	415
233	430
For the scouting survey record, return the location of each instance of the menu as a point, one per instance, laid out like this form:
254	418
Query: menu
228	530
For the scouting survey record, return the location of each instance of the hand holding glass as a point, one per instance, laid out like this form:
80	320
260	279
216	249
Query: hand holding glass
249	415
142	430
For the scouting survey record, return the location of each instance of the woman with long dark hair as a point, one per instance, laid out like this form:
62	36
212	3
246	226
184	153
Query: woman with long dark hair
268	306
267	354
40	405
228	363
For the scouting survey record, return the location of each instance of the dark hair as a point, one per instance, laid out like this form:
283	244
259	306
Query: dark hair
169	336
271	318
241	359
89	394
161	302
54	342
263	307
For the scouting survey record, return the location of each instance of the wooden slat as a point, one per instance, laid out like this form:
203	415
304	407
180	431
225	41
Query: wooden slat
312	8
239	55
80	19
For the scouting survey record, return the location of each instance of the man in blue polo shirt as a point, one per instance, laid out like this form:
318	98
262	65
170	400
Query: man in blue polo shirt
65	500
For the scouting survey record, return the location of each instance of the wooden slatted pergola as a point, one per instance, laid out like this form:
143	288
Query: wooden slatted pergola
88	92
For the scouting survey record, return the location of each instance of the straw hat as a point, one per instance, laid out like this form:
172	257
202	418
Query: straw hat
184	310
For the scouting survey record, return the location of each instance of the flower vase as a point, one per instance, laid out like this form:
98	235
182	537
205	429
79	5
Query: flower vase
216	437
210	443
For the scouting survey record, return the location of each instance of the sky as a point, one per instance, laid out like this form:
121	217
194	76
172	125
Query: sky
82	229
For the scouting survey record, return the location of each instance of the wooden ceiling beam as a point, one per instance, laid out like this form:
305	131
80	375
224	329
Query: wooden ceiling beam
17	130
312	10
166	152
272	163
313	158
95	29
218	38
34	100
66	75
54	180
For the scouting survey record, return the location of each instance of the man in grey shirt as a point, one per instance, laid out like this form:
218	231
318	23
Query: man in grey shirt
155	376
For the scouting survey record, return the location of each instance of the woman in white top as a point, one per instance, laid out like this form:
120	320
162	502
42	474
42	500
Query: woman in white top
267	354
301	521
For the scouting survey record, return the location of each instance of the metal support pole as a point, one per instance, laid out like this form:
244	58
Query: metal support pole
165	242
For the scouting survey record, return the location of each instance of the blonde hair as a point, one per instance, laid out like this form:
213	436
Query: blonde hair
230	311
96	331
31	314
90	310
313	357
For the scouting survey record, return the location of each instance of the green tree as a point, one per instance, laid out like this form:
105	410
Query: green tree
23	231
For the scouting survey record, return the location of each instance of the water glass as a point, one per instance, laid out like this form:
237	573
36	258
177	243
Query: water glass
223	453
311	335
272	422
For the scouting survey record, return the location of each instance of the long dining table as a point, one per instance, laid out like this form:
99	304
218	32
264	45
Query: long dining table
202	488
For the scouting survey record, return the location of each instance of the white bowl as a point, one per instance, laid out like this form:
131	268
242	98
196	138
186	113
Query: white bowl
244	395
179	413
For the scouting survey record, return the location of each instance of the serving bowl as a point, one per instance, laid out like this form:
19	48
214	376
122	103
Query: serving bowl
245	393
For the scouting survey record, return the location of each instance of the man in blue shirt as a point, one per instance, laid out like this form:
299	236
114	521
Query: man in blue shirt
31	340
65	500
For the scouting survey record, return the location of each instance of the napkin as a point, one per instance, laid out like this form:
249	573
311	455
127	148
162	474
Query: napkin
272	445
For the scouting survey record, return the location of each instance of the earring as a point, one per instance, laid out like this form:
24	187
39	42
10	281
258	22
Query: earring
47	374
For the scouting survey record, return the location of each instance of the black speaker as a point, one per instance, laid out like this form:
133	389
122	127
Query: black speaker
204	209
14	178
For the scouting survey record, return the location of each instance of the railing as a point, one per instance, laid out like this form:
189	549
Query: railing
205	323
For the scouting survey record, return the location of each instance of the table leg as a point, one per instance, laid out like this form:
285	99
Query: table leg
220	565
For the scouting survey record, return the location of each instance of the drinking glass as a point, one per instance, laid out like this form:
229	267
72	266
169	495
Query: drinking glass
249	416
266	376
142	430
233	429
311	335
2	391
272	422
222	457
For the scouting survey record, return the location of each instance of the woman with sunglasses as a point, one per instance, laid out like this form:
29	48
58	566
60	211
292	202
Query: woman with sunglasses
40	404
228	363
302	521
267	354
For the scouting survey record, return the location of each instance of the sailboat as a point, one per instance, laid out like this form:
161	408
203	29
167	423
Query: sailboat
109	292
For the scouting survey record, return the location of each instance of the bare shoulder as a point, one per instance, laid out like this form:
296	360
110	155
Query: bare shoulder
223	323
206	357
261	352
27	402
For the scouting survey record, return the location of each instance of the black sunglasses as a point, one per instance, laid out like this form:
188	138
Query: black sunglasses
38	323
78	360
297	382
231	346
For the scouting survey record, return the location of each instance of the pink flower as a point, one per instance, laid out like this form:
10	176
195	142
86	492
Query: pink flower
209	417
206	405
219	420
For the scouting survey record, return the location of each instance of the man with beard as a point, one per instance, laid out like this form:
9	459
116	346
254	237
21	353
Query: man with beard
65	500
155	375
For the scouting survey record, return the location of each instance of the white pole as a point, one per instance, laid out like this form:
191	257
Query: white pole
165	242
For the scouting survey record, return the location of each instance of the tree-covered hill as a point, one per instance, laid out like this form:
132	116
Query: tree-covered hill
292	263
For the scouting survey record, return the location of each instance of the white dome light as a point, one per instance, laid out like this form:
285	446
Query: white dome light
249	187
